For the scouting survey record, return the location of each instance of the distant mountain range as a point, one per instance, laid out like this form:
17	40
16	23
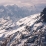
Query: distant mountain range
19	12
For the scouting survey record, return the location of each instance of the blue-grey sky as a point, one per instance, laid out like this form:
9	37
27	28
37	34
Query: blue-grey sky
22	2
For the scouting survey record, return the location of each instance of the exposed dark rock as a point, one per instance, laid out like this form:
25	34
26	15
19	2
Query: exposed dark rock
43	15
23	36
28	28
8	28
31	40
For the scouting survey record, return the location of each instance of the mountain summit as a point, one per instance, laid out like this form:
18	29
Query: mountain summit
30	31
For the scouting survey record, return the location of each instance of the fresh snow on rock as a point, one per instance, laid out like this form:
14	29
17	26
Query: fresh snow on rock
26	34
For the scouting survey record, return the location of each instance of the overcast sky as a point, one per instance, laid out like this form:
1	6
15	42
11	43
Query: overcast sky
22	2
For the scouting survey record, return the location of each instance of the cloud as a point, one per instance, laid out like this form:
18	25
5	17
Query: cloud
22	2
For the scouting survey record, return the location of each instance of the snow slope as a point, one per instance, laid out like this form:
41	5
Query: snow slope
27	33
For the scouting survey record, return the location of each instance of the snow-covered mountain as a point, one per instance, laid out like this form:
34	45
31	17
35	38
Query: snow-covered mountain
28	31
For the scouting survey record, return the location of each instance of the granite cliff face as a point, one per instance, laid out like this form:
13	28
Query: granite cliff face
28	31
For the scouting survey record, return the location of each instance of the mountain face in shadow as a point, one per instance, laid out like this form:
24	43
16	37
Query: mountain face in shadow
43	14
